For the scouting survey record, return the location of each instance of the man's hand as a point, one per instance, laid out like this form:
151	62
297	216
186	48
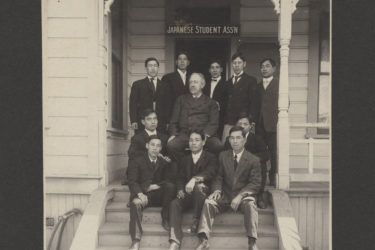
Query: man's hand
236	202
215	195
171	138
190	186
166	158
218	105
180	194
134	125
153	187
143	199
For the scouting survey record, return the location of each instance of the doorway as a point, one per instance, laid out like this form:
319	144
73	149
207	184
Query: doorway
202	51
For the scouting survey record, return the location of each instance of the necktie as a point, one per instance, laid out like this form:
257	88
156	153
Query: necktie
153	164
152	84
235	163
236	79
214	79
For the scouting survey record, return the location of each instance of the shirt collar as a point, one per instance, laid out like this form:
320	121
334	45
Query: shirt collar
197	155
151	160
240	74
269	79
150	132
196	97
181	73
217	79
238	155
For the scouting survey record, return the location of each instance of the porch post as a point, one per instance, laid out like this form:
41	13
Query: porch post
285	9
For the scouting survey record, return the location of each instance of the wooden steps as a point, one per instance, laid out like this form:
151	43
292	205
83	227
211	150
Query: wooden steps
228	231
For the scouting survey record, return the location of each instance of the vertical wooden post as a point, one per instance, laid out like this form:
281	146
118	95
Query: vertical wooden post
283	138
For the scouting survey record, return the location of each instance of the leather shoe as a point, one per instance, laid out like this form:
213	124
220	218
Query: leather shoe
204	245
252	244
194	226
135	245
174	246
165	225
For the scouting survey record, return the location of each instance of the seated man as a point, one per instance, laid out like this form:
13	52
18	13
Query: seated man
194	111
255	145
138	141
235	186
193	180
150	185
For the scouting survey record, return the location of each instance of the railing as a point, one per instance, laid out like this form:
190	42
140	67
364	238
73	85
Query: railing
310	176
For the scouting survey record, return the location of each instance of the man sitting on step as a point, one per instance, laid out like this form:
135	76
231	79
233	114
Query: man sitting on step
193	180
150	184
235	186
255	145
138	141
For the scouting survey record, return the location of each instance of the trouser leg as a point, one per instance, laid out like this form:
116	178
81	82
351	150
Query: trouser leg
209	211
249	209
176	209
271	143
135	223
199	195
176	147
263	167
168	194
226	129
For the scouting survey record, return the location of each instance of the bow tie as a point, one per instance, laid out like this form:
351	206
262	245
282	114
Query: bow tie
214	79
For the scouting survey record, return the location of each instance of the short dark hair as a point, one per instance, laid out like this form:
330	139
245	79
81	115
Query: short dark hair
240	55
152	137
146	113
151	59
242	115
199	132
182	53
215	60
237	128
273	63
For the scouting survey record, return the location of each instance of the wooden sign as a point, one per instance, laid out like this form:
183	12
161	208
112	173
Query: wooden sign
199	29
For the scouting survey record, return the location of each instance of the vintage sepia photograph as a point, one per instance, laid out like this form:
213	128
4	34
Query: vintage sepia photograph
186	124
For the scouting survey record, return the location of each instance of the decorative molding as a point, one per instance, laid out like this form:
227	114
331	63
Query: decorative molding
276	3
107	6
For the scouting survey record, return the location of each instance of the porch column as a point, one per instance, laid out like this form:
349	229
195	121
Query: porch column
284	8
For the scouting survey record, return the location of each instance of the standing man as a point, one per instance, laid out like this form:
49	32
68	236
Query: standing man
241	93
194	177
147	93
267	111
255	145
176	83
194	111
234	187
217	89
150	185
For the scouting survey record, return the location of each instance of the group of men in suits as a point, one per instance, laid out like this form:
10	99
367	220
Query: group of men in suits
191	167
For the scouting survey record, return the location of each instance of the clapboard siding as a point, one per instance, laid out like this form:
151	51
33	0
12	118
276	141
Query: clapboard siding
312	217
67	27
67	126
58	204
65	165
147	41
63	47
147	3
67	67
147	27
147	14
67	106
117	157
67	8
67	87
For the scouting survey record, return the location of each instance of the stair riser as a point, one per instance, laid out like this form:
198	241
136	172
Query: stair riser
155	218
188	241
121	196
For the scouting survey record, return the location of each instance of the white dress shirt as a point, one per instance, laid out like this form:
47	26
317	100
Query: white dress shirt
266	82
154	81
150	132
239	155
183	75
196	156
213	86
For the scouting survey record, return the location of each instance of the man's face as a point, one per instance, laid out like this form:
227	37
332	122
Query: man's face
237	141
238	65
267	69
150	122
245	124
196	143
152	68
182	62
215	70
153	147
195	84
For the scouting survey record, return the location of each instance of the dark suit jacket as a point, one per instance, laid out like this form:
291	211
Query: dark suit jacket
255	145
175	87
245	180
267	105
142	97
221	96
190	113
141	174
138	144
241	98
205	167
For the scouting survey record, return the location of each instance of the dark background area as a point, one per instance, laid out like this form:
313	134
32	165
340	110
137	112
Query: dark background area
21	199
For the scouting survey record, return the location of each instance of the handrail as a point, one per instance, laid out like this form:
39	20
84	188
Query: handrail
62	221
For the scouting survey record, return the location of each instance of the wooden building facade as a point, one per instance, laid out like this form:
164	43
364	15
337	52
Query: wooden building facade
93	50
